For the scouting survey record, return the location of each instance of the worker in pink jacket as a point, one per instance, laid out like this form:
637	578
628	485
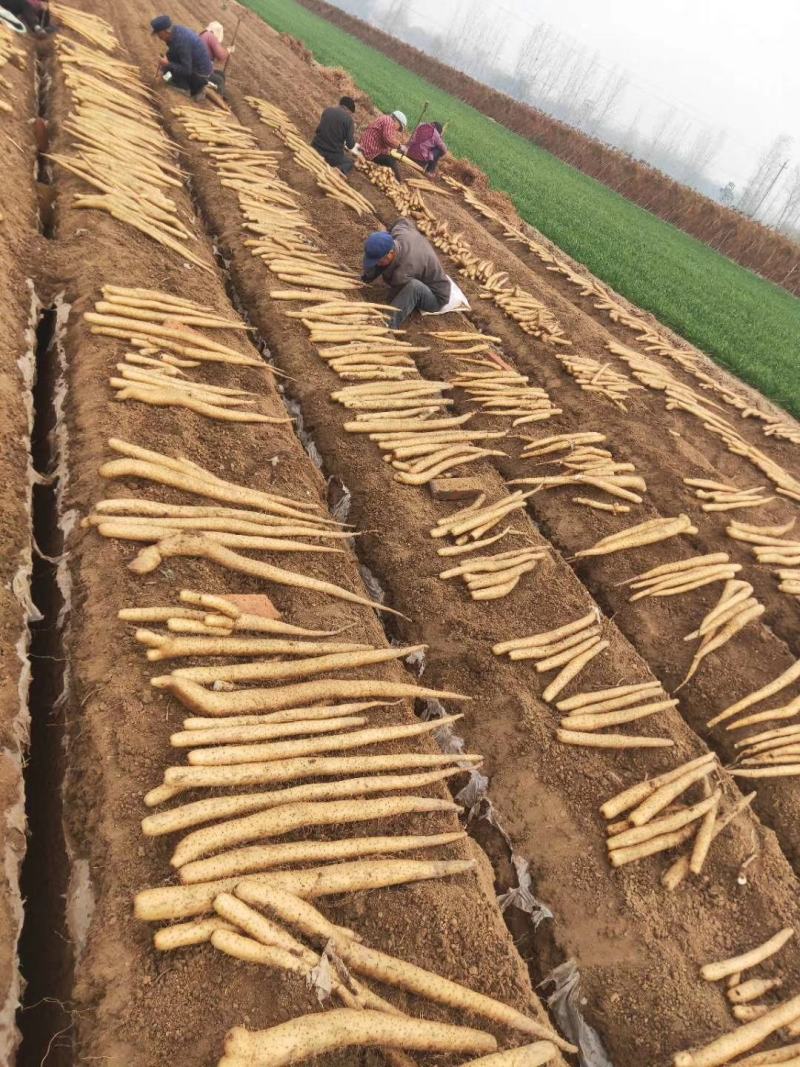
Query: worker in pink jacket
212	38
426	146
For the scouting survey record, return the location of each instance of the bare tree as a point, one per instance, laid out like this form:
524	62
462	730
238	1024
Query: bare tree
788	216
765	175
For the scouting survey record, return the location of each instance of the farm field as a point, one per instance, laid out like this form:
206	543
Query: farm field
372	644
749	325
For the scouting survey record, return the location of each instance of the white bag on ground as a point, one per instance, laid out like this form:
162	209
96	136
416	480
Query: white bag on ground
457	301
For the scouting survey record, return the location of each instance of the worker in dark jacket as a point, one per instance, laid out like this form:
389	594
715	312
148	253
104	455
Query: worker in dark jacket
336	133
410	267
187	65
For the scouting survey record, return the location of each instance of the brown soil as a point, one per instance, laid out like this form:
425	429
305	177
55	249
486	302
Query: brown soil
749	243
17	227
132	1006
633	942
638	948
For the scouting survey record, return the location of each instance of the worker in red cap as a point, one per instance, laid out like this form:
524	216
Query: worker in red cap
187	65
407	262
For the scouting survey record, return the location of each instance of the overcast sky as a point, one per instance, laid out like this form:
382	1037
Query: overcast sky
733	64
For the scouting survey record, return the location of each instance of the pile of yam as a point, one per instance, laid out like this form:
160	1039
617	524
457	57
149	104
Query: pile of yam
599	378
471	526
760	1020
584	464
645	533
120	148
570	647
682	397
719	496
590	712
329	179
269	926
684	576
771	546
773	752
505	393
733	611
9	51
656	816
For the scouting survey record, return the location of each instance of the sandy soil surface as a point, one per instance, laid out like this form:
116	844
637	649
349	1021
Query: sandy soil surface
131	1006
632	941
638	947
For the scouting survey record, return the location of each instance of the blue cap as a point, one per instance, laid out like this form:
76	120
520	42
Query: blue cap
376	246
160	23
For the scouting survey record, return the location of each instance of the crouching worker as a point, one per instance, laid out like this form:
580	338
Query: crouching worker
407	262
381	138
426	146
187	64
336	134
212	38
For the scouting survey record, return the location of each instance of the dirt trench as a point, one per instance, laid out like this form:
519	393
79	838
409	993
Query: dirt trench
25	618
556	831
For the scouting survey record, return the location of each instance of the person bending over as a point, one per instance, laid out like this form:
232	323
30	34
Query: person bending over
336	134
212	37
407	262
426	146
33	14
382	137
187	64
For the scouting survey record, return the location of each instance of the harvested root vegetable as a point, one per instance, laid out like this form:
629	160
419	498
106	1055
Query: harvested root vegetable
249	701
179	647
572	669
646	533
290	817
638	793
236	735
203	811
304	666
313	1035
746	1037
223	755
183	902
179	779
549	636
791	674
723	629
150	558
713	972
615	741
244	861
390	970
184	935
752	989
609	699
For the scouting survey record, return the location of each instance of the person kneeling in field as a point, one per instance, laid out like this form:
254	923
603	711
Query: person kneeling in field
381	138
409	265
212	38
426	146
187	65
336	135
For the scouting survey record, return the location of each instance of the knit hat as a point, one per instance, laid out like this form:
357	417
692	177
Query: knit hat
160	23
376	246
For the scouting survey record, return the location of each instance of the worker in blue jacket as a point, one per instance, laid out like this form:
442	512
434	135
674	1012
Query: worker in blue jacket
187	65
